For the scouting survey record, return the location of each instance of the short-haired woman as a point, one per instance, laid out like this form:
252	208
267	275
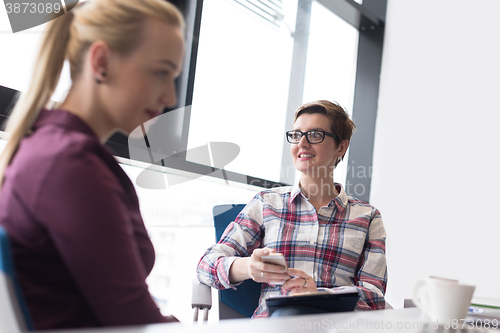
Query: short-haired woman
328	238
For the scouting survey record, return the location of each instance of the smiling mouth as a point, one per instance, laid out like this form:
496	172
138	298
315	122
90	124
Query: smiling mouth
306	155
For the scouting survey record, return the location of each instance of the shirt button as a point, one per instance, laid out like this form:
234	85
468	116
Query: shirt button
311	242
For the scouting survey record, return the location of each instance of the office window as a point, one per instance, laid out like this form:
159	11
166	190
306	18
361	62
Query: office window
241	84
331	65
331	58
18	57
18	50
241	89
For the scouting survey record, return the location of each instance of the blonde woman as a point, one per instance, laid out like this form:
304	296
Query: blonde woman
81	250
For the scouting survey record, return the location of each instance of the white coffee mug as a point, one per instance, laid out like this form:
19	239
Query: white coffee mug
443	300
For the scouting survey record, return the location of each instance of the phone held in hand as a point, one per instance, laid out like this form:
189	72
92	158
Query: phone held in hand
275	259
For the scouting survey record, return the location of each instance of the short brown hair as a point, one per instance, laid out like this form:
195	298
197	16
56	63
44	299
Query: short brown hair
340	122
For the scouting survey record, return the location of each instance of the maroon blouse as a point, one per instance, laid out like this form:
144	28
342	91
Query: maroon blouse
80	247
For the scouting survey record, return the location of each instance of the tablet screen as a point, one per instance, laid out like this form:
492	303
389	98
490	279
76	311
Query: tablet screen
322	301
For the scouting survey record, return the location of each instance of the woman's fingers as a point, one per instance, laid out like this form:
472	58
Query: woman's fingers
299	273
297	282
273	278
262	272
259	253
301	282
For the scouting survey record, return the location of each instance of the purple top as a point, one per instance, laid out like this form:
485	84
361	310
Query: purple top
81	250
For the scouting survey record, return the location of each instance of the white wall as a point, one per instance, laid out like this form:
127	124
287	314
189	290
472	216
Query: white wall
436	147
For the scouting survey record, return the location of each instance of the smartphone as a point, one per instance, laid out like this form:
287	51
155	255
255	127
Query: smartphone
275	259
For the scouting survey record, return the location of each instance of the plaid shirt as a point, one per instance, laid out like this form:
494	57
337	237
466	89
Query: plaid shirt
343	244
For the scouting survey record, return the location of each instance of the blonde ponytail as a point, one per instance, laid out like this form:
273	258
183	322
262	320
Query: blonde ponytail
43	83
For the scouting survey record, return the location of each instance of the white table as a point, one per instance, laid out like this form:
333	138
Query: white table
401	320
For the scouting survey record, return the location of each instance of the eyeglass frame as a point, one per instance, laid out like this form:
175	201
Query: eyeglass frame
332	135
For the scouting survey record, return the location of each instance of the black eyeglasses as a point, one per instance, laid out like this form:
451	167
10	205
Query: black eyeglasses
312	137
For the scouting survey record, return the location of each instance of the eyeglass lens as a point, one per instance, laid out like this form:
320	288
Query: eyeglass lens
312	136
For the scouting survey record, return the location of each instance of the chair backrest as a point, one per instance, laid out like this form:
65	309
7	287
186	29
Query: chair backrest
246	298
14	315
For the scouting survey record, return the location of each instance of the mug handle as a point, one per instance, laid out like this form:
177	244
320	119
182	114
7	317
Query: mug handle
424	304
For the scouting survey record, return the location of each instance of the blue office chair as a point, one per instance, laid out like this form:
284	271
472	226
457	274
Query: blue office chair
240	303
14	314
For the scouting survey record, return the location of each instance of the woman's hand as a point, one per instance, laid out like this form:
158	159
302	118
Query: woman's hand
301	283
253	268
262	272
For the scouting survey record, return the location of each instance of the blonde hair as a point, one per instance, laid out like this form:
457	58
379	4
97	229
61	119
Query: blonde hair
116	22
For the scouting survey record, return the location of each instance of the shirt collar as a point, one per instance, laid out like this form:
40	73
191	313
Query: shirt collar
296	190
63	118
340	201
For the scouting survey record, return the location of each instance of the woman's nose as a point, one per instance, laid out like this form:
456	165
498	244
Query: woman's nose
169	96
303	141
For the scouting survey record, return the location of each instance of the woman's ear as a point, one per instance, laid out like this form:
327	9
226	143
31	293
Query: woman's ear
99	54
343	147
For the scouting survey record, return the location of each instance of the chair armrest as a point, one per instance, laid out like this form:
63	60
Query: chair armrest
202	295
201	299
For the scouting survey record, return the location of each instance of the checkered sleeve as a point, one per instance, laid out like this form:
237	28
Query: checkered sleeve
371	273
239	239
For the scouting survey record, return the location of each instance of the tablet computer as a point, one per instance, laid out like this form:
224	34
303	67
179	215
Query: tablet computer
324	301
